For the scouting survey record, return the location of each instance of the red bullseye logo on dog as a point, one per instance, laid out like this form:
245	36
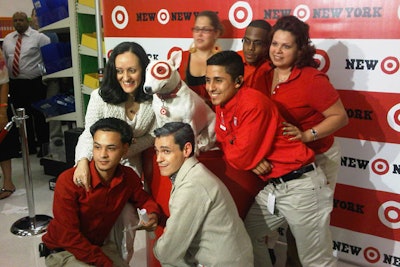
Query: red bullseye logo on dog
161	71
240	14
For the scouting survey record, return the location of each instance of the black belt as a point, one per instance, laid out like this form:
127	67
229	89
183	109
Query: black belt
45	251
291	175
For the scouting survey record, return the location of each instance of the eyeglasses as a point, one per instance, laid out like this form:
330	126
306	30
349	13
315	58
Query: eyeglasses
202	30
256	43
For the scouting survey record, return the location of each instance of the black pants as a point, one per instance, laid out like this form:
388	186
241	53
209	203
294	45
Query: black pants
23	93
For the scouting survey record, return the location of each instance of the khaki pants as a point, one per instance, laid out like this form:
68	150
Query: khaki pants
305	204
67	259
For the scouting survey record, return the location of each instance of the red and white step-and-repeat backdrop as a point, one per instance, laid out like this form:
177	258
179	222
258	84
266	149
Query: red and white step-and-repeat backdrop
359	48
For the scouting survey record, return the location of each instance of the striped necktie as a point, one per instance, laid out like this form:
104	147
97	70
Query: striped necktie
15	66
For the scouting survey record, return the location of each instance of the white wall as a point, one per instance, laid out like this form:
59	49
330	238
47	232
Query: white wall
9	7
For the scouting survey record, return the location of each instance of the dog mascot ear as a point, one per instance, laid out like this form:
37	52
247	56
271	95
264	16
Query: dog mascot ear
176	58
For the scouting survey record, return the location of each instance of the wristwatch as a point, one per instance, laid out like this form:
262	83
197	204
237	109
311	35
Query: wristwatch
314	134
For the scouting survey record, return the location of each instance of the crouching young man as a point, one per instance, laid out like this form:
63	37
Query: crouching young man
82	220
204	227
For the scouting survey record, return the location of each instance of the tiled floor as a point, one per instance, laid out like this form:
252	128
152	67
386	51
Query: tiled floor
17	251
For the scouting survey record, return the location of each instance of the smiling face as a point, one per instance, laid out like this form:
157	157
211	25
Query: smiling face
129	72
169	155
283	51
107	152
220	85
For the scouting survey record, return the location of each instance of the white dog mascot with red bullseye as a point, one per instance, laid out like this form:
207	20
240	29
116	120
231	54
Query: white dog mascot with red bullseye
173	100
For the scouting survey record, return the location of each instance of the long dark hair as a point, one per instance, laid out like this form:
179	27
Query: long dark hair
300	31
110	90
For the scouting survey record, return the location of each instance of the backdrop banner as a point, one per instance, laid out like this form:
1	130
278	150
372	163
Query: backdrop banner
358	47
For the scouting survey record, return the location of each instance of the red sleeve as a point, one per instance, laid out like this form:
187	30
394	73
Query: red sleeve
327	94
64	230
254	135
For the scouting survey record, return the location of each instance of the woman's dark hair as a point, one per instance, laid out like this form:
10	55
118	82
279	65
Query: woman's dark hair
110	90
300	31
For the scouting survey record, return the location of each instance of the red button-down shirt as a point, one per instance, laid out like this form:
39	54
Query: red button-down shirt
82	220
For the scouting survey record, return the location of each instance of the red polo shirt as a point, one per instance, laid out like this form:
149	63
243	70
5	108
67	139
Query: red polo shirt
303	98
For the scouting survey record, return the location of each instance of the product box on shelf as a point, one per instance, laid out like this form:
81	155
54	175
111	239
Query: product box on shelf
56	57
50	11
57	105
89	40
91	80
87	3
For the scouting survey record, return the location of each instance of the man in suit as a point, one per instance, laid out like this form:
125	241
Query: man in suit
204	227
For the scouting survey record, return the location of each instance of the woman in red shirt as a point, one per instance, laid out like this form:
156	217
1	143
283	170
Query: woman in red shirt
305	97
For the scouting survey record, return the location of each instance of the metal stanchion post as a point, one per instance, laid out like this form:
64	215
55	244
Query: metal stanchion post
32	224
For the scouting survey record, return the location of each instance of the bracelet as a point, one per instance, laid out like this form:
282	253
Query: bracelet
3	105
314	134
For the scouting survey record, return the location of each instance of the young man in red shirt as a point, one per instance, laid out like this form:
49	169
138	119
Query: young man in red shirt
254	54
249	129
83	220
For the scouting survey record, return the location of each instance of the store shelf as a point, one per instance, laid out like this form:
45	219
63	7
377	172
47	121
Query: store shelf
84	50
86	90
60	74
83	9
65	117
59	26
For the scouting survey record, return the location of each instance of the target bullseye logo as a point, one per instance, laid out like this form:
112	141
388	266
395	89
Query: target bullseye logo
302	12
390	65
393	117
119	17
323	59
372	255
163	16
380	166
240	14
161	71
389	214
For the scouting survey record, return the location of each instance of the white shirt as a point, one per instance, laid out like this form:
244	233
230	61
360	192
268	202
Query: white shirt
30	55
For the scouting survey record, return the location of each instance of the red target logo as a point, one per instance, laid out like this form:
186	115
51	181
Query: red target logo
119	17
393	117
240	14
390	65
372	255
302	12
161	71
323	59
389	214
163	16
380	166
